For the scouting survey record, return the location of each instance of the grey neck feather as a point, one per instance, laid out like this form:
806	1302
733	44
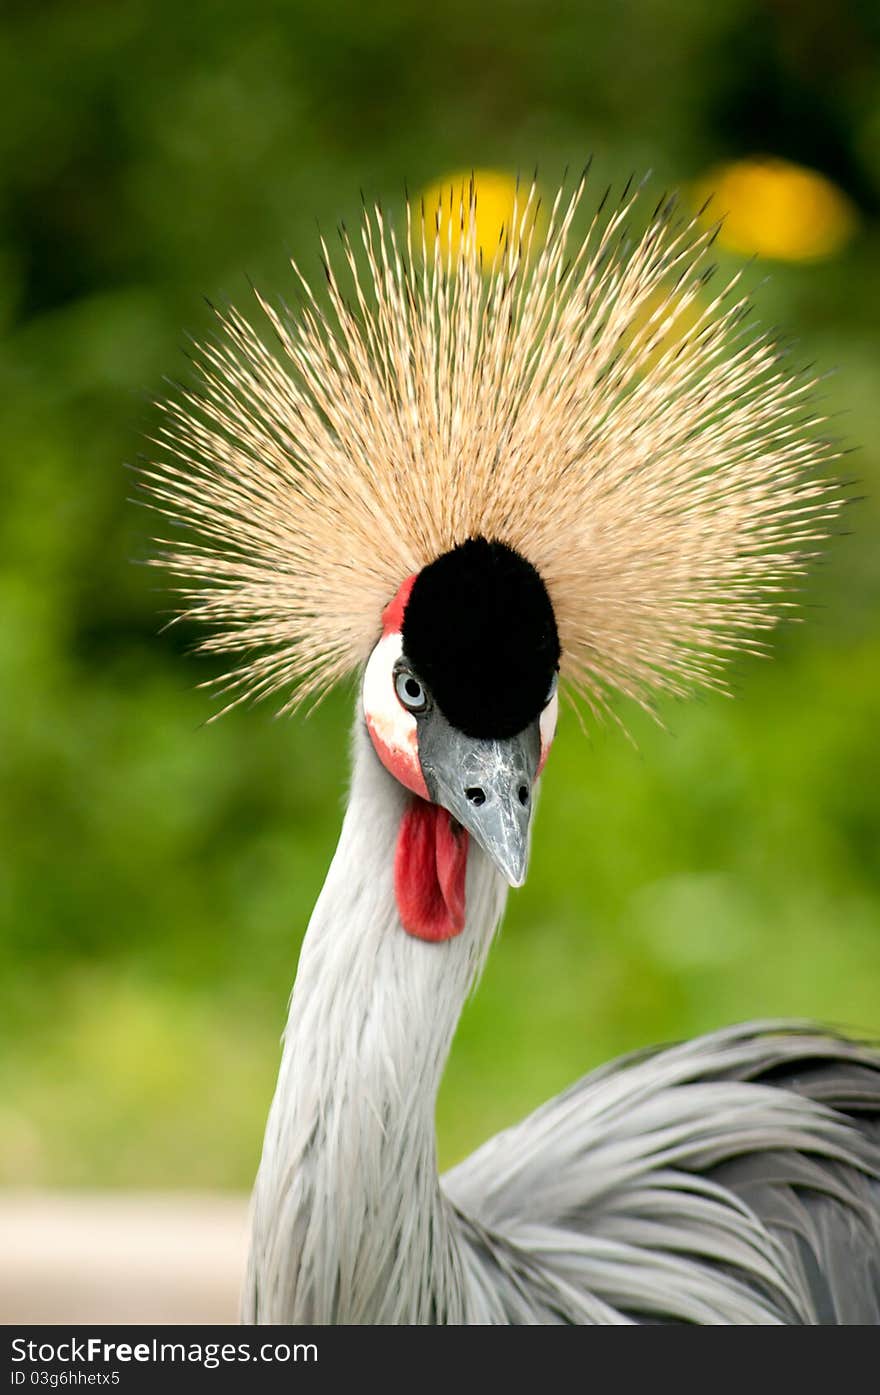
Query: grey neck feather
349	1221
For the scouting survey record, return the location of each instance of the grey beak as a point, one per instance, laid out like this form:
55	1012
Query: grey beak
486	785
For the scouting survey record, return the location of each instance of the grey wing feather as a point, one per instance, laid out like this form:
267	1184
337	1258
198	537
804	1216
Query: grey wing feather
733	1178
825	1213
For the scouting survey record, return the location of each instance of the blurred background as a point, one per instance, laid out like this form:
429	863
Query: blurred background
157	873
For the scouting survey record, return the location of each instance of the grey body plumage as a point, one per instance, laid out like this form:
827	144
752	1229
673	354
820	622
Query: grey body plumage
685	1187
730	1179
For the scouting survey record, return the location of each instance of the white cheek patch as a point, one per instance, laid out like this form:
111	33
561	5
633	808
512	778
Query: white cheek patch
391	727
547	726
381	705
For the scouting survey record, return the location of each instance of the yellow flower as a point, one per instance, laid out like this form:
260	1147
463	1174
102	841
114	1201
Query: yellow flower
776	209
498	203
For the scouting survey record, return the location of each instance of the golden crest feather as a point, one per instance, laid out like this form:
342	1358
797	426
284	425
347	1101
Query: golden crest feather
582	400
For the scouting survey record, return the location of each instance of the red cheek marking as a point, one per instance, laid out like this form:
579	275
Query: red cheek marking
545	751
392	615
402	764
429	872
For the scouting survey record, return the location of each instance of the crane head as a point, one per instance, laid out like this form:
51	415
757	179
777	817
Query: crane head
586	462
459	694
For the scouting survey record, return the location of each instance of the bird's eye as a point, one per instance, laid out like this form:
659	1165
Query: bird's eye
551	691
410	691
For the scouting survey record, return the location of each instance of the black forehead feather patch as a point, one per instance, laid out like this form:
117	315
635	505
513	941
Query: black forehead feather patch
479	631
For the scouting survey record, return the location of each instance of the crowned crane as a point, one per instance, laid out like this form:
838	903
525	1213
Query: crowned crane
466	477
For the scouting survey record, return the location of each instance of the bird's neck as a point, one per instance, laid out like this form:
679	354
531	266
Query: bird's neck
349	1221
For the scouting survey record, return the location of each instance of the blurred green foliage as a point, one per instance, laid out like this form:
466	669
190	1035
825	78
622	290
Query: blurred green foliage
156	873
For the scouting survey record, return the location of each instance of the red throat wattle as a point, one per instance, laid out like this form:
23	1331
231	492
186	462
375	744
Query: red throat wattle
429	872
